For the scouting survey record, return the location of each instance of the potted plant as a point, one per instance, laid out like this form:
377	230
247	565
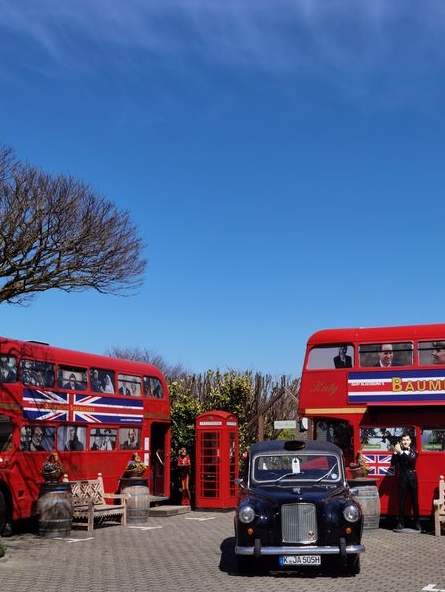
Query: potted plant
135	467
359	468
52	468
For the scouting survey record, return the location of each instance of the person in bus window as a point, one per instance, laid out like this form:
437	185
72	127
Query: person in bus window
131	442
7	371
28	373
37	434
40	378
438	352
72	383
109	388
108	442
343	360
157	389
405	457
73	442
386	356
95	381
97	440
123	389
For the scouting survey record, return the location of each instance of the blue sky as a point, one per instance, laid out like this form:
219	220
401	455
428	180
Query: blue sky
283	161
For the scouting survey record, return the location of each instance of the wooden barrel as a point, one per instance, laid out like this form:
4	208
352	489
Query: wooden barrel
138	502
55	509
365	492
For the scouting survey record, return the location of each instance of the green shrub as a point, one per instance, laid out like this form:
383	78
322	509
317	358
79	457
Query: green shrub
2	549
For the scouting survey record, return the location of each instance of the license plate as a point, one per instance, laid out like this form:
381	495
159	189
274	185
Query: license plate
300	560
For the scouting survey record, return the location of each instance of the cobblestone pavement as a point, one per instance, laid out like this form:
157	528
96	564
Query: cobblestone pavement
194	552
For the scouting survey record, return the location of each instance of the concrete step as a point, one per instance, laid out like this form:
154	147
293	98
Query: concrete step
168	510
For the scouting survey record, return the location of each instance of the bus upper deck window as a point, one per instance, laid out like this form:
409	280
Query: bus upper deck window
331	356
37	373
432	352
153	387
386	355
129	385
8	369
72	378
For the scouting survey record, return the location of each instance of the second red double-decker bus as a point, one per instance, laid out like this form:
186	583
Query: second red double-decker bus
362	388
93	410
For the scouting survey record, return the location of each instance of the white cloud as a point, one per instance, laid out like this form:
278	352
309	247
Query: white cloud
346	43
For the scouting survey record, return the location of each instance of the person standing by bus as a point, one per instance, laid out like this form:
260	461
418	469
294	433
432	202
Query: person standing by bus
184	466
405	457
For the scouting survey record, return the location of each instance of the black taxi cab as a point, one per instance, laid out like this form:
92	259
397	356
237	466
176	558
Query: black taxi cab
295	510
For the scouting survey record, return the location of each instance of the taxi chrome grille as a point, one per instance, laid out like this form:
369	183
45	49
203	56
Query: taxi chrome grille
299	523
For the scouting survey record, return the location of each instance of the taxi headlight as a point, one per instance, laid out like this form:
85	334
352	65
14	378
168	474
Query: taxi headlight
351	513
246	514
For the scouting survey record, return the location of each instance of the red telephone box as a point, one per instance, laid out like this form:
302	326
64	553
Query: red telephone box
216	460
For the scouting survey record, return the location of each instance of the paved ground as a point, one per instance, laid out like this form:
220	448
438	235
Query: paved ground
194	551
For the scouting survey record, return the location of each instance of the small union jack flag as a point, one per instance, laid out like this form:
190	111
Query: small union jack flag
379	464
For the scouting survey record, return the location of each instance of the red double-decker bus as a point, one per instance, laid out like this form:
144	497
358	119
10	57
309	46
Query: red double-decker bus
362	388
94	410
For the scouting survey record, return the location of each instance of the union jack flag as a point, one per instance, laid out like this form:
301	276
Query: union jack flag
49	406
379	464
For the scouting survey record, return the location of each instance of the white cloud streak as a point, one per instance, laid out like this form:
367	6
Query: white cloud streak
343	42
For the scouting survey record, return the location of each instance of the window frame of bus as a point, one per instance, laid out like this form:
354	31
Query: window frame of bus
428	430
80	374
153	392
124	380
125	432
36	368
8	364
47	442
62	437
319	354
426	348
387	437
403	353
343	437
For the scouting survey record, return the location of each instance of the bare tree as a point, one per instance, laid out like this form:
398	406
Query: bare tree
171	372
55	232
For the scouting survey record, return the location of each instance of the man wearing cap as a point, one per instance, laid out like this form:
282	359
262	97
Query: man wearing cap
438	352
108	441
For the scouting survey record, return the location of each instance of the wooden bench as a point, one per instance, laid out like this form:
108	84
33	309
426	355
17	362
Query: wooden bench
439	508
89	503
